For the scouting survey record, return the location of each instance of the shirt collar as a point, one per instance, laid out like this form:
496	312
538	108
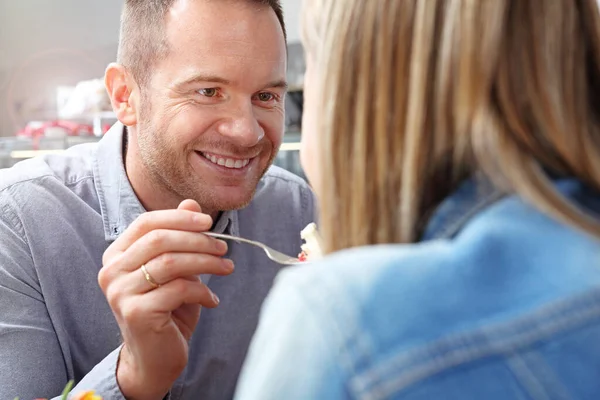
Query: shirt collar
455	211
119	204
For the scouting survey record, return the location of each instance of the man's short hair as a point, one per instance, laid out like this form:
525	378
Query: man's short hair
143	39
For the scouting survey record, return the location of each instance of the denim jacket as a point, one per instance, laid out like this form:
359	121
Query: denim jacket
499	301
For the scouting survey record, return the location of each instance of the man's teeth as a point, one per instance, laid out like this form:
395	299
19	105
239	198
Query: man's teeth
226	162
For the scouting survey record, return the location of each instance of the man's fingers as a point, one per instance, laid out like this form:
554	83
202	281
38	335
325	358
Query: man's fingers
159	242
176	293
172	266
138	310
181	219
190	205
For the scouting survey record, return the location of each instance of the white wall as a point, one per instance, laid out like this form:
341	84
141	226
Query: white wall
31	26
292	10
47	43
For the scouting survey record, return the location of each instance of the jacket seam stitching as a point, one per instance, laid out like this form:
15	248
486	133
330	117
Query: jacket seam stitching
540	370
411	367
523	373
356	347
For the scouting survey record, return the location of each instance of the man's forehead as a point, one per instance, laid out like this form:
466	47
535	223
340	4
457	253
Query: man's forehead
223	22
228	59
227	32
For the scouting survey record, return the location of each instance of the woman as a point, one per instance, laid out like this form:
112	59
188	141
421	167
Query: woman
456	149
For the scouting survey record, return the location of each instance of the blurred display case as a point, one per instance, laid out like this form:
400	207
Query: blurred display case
15	149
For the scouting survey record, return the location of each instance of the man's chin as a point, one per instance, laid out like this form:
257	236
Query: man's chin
227	200
225	196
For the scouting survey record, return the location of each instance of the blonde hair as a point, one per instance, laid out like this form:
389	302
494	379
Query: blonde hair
417	95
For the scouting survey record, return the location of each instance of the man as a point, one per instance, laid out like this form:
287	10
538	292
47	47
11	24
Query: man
199	93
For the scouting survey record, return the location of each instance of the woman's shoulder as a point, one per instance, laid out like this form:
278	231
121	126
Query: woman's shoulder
507	265
505	247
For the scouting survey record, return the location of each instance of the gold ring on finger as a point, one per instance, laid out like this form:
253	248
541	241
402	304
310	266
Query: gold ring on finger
149	278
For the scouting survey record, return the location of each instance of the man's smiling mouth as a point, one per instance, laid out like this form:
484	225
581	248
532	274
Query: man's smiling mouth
224	161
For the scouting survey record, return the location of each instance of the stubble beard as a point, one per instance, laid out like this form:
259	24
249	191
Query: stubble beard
164	168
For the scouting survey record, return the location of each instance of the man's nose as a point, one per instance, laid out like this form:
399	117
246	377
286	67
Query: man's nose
242	127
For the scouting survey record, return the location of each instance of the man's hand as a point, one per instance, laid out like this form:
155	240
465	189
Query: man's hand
157	322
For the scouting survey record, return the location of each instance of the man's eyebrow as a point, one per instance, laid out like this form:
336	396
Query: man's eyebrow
204	78
280	83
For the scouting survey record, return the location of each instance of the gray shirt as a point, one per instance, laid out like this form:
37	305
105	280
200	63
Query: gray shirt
59	213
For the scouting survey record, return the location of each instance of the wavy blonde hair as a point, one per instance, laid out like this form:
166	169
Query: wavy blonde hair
417	95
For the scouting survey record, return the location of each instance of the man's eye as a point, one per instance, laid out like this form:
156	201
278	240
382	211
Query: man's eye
209	92
266	97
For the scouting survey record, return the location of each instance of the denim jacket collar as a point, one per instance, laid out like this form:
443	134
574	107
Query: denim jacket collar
472	196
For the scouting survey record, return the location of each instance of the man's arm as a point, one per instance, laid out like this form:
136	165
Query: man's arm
33	364
156	320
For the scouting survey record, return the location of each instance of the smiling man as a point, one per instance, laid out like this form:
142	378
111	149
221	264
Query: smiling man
203	99
104	264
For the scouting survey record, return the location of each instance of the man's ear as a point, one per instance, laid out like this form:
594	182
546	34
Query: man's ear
122	89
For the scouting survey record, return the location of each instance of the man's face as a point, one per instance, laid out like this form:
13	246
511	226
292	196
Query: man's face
212	114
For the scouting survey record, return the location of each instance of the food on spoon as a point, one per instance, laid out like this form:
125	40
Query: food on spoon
303	257
311	249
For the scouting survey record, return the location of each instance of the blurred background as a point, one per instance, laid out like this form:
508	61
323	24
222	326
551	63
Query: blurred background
52	59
